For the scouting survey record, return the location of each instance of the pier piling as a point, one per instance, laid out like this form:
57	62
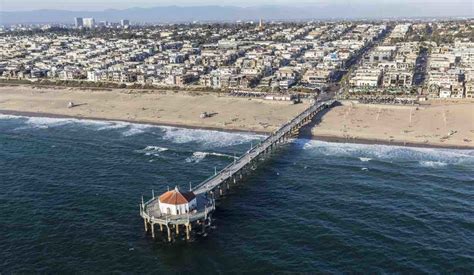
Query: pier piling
152	230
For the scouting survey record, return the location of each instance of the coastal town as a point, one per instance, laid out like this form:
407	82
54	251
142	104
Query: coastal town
408	59
246	76
236	137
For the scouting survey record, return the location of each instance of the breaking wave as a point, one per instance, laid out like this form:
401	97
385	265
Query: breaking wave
433	164
114	125
196	157
428	157
152	150
209	138
135	129
199	156
46	122
130	129
5	117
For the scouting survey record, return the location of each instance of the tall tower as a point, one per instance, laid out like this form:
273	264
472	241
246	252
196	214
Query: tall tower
125	23
260	25
89	23
78	22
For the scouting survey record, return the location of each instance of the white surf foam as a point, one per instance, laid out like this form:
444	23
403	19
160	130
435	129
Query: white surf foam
196	157
222	155
135	129
152	150
130	129
199	156
209	138
433	164
368	152
47	122
5	117
113	125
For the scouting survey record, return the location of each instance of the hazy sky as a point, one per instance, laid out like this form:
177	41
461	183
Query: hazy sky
22	5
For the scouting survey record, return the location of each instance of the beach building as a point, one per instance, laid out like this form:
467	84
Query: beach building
397	78
176	209
366	77
175	202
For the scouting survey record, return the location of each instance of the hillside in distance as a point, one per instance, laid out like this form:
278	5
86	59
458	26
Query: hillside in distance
174	14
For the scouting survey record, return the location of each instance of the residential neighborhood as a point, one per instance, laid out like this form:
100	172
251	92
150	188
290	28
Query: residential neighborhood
403	58
406	63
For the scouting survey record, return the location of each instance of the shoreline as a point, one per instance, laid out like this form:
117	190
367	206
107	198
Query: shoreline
326	138
142	122
336	139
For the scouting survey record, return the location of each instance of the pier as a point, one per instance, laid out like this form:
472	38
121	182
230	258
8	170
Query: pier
194	208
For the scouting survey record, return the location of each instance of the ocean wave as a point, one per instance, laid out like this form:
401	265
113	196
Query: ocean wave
196	157
367	152
130	129
47	122
209	138
5	117
152	150
433	164
199	156
114	125
135	129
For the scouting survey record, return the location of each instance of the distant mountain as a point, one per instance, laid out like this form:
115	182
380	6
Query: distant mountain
231	13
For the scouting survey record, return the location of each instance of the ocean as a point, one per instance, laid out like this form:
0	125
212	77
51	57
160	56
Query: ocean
70	194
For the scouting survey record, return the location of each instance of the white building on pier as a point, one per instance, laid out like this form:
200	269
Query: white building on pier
175	202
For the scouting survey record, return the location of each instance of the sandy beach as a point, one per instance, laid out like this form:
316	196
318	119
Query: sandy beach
165	108
437	124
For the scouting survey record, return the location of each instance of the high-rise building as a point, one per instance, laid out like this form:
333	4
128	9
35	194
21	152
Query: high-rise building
125	22
78	22
260	25
89	22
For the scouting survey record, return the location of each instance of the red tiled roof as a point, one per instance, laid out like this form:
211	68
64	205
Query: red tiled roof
176	197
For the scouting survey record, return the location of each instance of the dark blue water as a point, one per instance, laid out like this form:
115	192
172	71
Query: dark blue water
70	192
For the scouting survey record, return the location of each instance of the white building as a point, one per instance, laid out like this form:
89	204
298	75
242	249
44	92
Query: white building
366	77
175	202
88	22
